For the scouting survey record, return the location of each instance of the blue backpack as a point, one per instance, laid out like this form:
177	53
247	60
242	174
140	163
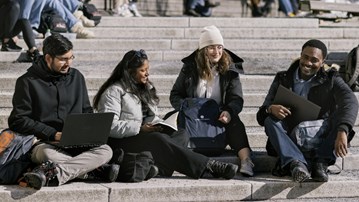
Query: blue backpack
199	117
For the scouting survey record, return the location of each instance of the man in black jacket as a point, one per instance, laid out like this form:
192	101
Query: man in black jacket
48	92
339	108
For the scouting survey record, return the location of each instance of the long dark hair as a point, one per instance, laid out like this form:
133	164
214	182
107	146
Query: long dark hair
124	74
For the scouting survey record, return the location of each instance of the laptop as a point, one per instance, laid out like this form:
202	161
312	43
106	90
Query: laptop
301	108
85	130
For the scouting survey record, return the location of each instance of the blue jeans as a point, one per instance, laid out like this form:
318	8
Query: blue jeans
31	9
287	150
286	6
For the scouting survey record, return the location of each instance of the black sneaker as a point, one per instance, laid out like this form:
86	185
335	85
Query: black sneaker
107	172
42	175
219	169
10	46
28	56
299	171
153	172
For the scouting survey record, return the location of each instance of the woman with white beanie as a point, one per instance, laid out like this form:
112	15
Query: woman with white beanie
212	71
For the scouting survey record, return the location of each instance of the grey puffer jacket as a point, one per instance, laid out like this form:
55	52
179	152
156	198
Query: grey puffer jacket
230	84
128	111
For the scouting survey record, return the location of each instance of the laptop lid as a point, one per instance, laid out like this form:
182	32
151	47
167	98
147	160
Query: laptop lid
301	108
86	130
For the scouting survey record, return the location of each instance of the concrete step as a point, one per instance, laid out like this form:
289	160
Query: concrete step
180	188
222	22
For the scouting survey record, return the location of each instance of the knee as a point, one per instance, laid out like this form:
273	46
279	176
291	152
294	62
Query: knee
105	152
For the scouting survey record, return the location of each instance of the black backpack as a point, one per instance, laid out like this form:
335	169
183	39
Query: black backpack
52	21
350	71
91	12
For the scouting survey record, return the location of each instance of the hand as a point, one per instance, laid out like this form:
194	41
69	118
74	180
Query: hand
341	144
279	111
58	136
224	117
148	128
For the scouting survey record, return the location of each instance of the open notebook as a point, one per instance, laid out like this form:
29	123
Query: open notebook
301	108
85	130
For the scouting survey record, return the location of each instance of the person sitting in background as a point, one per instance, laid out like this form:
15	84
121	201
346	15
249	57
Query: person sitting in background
32	10
74	6
126	8
212	71
130	94
11	25
199	8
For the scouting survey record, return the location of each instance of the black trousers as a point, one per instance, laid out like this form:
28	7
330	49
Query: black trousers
11	26
9	14
169	152
236	134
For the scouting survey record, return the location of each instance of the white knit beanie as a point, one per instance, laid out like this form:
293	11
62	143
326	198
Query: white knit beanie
210	35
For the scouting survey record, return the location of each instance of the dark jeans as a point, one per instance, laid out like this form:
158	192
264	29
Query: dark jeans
169	152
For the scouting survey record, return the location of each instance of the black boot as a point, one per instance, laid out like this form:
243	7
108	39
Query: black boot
153	172
42	175
299	171
219	169
320	172
107	172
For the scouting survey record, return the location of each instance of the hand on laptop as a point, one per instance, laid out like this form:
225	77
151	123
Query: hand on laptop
58	136
279	111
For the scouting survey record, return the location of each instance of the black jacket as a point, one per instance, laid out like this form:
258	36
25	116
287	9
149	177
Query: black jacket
231	87
331	93
42	100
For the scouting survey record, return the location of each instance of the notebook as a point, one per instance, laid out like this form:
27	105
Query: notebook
301	108
85	130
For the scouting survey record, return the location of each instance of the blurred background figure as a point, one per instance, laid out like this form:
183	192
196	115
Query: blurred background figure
199	8
126	8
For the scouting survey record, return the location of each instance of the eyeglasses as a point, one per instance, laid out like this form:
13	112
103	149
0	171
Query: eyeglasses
64	60
212	48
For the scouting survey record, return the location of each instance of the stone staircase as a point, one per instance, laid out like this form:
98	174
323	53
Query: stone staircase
266	44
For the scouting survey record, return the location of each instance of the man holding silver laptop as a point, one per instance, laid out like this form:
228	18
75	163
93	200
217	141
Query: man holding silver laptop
305	151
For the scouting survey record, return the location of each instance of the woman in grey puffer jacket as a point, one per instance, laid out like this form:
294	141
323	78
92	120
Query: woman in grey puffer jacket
130	95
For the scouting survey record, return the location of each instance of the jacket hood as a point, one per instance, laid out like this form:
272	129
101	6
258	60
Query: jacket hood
237	61
41	69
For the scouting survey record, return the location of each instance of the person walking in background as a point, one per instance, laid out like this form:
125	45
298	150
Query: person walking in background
130	94
44	96
339	108
212	71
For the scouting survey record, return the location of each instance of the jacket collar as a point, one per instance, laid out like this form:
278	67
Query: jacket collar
41	69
